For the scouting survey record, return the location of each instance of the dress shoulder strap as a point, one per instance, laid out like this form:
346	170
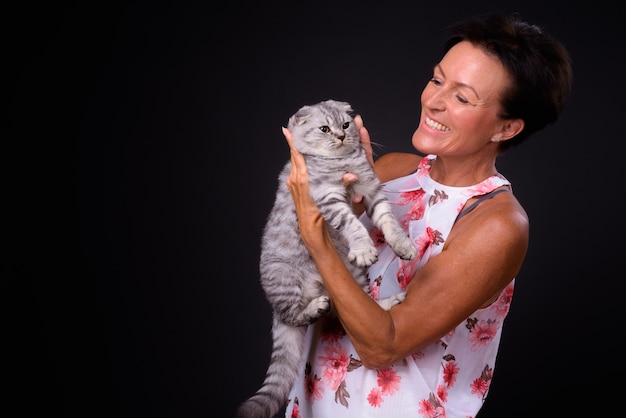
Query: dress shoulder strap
477	202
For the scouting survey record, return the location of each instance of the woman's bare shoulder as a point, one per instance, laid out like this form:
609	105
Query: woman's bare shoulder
500	217
396	164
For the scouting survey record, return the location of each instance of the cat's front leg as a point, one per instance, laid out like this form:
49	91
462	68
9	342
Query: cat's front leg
398	240
396	237
339	215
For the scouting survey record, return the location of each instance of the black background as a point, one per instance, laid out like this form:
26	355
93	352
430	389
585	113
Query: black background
139	163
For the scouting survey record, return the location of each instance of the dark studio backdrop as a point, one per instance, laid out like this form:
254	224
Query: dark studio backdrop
140	159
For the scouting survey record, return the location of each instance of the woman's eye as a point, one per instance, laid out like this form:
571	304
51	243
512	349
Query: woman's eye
345	125
435	81
462	99
325	129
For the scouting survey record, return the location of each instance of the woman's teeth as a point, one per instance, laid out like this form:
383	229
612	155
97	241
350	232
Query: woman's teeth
435	125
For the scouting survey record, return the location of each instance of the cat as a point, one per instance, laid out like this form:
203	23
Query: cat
326	134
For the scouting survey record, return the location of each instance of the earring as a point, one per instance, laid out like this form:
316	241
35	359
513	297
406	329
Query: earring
496	139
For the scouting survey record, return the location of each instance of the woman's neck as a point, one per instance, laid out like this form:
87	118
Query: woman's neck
462	172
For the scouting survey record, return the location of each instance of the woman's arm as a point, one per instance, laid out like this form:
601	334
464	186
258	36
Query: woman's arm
481	256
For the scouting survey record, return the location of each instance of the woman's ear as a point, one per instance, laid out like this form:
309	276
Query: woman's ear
510	128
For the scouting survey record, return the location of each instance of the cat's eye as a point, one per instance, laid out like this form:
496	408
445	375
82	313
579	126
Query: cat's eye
325	129
345	125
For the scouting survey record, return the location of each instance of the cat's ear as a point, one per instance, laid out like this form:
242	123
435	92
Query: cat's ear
301	116
343	106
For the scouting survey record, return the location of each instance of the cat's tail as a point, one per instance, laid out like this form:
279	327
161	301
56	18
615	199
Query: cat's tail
288	343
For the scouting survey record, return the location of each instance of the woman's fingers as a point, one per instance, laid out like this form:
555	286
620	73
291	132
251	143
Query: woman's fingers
297	181
366	142
297	159
349	178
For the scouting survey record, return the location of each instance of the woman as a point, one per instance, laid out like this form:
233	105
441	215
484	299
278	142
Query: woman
499	80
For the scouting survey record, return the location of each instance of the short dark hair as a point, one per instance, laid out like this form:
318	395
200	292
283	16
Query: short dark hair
539	66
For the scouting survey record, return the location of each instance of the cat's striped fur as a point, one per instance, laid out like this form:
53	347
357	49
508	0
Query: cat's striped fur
328	137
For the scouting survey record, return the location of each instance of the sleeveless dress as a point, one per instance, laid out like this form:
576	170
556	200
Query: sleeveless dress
449	378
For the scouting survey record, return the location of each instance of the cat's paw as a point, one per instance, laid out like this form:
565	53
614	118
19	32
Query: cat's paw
404	247
317	308
392	301
323	305
363	255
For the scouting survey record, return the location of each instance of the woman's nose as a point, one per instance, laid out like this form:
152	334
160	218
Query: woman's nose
434	99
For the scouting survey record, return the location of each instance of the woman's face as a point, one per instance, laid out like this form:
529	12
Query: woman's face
460	104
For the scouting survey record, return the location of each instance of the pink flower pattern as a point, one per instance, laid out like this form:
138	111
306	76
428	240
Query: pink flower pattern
480	385
315	389
482	332
388	381
503	303
442	393
375	397
432	407
335	361
450	371
406	272
417	209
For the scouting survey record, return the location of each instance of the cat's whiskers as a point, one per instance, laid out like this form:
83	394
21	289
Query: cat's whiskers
375	144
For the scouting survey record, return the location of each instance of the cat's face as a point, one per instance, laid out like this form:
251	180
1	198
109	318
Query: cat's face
325	129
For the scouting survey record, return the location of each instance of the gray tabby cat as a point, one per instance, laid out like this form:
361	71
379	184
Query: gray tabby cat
325	133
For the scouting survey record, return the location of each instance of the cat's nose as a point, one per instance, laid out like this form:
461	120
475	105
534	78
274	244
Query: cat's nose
341	137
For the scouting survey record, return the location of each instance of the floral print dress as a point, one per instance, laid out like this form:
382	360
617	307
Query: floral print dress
449	378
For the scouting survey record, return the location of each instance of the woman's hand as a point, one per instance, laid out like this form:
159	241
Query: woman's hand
366	144
310	220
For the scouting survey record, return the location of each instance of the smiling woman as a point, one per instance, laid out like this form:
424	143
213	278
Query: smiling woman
434	354
460	103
